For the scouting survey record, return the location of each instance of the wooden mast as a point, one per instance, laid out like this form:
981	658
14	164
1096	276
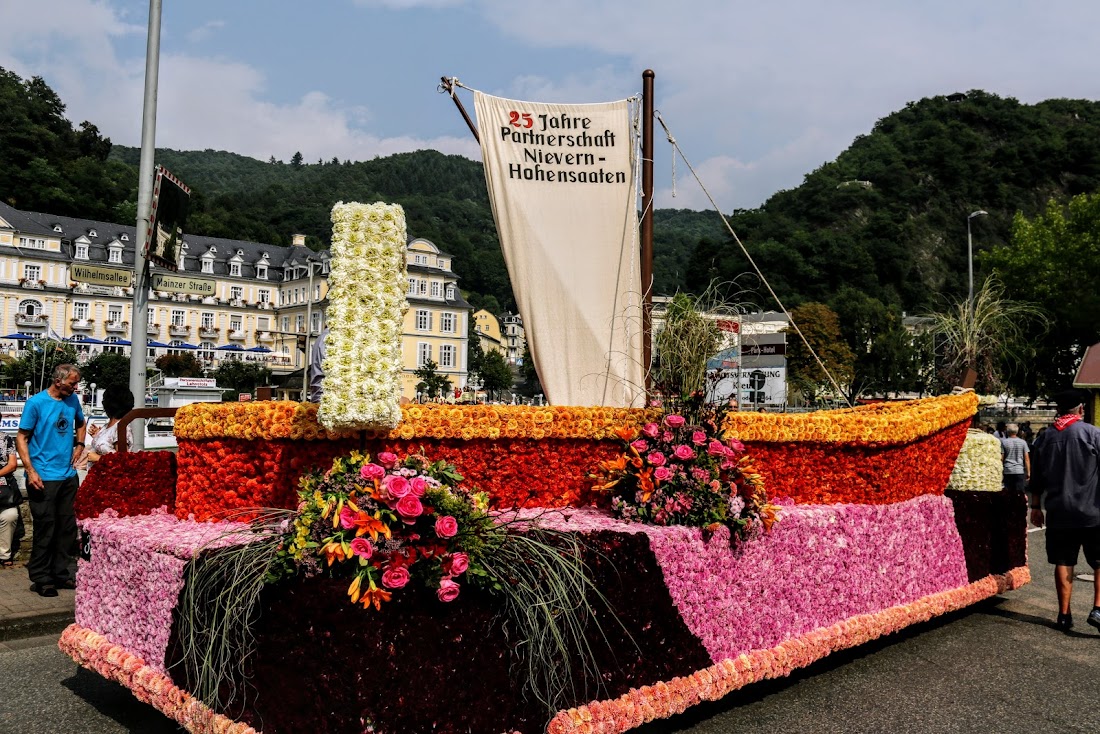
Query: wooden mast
647	226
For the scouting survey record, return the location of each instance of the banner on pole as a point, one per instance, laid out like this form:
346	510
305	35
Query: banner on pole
561	181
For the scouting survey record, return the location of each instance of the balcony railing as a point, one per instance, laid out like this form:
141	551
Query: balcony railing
210	332
31	319
265	305
36	285
179	330
264	336
236	302
117	326
238	334
152	329
83	323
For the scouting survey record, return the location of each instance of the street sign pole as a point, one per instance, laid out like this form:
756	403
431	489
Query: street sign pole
139	317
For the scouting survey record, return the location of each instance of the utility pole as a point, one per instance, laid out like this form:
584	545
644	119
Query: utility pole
646	245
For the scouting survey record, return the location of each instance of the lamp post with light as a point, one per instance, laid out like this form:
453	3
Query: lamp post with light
970	254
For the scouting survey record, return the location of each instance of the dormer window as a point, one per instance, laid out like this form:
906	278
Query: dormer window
261	272
420	259
444	264
81	251
235	269
207	264
57	228
450	291
124	237
114	253
92	233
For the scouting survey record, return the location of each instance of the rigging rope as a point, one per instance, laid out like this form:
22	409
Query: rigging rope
756	269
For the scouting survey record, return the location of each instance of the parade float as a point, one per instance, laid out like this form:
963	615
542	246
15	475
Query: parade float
512	568
365	566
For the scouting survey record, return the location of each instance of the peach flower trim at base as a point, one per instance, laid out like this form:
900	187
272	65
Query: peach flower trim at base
662	700
96	653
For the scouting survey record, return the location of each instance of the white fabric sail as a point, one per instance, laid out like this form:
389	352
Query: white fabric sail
561	181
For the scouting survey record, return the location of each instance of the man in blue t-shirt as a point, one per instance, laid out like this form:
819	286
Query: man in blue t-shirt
50	439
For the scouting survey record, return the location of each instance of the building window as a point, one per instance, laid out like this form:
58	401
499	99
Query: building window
423	354
114	314
263	323
299	323
149	316
115	255
30	307
446	355
286	323
450	291
420	259
264	295
81	252
437	289
80	311
206	350
32	242
177	317
423	287
235	270
447	323
315	321
208	265
444	264
207	320
235	323
423	320
412	286
317	292
236	293
261	272
32	272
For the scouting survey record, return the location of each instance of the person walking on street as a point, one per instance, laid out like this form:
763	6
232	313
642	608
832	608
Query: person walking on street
1065	469
1017	459
50	440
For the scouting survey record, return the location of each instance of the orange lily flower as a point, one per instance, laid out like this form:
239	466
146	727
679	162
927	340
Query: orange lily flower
626	433
353	590
375	596
334	552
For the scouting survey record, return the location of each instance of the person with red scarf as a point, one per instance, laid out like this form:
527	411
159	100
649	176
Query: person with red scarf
1065	468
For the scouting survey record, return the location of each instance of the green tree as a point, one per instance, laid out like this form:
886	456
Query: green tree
107	369
495	374
240	377
531	384
475	355
1053	262
432	384
37	364
179	365
296	160
821	327
885	358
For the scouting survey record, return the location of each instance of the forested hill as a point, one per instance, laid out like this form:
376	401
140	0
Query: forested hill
888	217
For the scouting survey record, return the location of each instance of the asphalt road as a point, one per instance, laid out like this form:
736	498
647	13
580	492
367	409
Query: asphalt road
997	667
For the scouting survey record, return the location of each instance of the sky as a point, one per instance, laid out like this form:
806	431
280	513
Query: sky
757	94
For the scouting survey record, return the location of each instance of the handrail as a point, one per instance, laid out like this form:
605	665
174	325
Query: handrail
137	414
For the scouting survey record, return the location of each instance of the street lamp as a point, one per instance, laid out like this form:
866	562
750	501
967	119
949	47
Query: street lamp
970	254
92	388
27	385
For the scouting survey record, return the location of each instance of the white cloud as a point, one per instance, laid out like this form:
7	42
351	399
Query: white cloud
205	31
408	4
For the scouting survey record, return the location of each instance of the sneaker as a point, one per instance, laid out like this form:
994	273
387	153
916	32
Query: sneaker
43	589
1065	622
1094	617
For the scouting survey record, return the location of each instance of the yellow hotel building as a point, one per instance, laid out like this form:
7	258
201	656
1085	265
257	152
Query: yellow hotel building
263	302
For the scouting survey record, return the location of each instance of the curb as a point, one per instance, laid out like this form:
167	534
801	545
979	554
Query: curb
19	626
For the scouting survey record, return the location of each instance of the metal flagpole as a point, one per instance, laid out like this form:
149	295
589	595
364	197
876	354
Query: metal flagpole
139	317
